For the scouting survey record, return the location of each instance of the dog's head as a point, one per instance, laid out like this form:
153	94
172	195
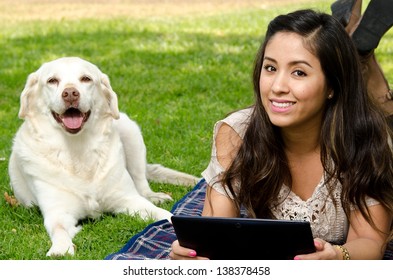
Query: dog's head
68	90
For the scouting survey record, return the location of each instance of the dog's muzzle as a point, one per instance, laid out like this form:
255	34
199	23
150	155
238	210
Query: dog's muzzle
72	119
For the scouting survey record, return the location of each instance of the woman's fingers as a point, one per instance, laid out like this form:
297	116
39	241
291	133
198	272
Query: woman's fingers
180	253
324	251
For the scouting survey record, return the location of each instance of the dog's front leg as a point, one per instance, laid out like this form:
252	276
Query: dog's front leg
61	228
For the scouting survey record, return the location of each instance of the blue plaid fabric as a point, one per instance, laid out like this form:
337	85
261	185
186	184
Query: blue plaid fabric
155	241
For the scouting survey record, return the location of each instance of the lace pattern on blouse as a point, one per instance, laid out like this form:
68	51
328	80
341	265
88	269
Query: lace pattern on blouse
323	210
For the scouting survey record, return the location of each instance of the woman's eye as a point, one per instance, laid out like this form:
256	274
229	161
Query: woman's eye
299	73
269	68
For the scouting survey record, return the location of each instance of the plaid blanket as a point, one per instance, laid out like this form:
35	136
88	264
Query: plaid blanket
155	241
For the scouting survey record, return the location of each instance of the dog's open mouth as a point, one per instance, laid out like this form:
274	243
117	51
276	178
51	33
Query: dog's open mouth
72	119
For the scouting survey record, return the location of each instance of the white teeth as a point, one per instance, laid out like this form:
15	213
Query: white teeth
282	104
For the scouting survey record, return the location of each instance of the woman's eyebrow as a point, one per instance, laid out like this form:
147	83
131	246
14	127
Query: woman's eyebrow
291	63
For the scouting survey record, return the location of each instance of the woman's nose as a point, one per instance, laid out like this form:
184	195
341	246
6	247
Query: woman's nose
280	83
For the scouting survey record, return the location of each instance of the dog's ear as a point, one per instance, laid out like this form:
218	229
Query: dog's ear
30	86
110	95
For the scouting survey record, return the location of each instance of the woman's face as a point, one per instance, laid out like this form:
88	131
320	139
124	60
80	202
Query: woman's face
293	85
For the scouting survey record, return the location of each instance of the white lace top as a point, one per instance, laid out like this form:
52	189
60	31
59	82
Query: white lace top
327	222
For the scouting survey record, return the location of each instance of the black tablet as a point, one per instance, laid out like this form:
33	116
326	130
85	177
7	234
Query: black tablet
244	239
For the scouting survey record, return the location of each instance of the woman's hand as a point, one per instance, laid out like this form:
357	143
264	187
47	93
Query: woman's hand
180	253
324	251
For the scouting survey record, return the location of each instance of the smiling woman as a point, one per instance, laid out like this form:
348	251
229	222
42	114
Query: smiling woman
303	150
293	86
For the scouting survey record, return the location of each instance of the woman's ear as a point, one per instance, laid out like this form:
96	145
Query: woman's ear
110	95
29	89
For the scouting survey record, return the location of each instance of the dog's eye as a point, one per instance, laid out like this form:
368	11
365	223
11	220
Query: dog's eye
85	79
53	81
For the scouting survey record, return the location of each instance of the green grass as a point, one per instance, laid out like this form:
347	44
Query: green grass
175	76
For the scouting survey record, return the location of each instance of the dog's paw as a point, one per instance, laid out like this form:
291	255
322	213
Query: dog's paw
155	213
162	214
58	250
158	197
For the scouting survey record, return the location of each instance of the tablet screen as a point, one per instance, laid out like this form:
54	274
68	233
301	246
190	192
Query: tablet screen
243	238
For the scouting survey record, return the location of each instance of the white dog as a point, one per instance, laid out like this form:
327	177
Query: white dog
76	156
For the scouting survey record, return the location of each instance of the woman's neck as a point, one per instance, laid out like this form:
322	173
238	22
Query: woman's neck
300	142
303	152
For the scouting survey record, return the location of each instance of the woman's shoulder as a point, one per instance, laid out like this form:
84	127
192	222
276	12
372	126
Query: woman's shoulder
237	120
242	115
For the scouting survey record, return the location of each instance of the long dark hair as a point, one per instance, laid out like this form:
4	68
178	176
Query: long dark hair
354	137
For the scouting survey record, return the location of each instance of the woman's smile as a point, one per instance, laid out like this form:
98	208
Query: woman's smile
281	106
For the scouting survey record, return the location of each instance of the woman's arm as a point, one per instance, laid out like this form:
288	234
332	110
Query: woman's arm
363	241
216	204
227	143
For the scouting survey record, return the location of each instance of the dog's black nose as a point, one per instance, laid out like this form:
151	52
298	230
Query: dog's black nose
71	97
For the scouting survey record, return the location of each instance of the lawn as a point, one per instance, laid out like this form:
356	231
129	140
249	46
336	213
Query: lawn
177	67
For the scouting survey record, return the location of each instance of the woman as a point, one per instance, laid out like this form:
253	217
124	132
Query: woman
313	147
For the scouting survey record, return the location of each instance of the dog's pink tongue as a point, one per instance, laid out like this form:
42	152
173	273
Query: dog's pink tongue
72	119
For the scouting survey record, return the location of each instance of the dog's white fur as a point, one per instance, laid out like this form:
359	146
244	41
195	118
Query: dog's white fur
76	169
